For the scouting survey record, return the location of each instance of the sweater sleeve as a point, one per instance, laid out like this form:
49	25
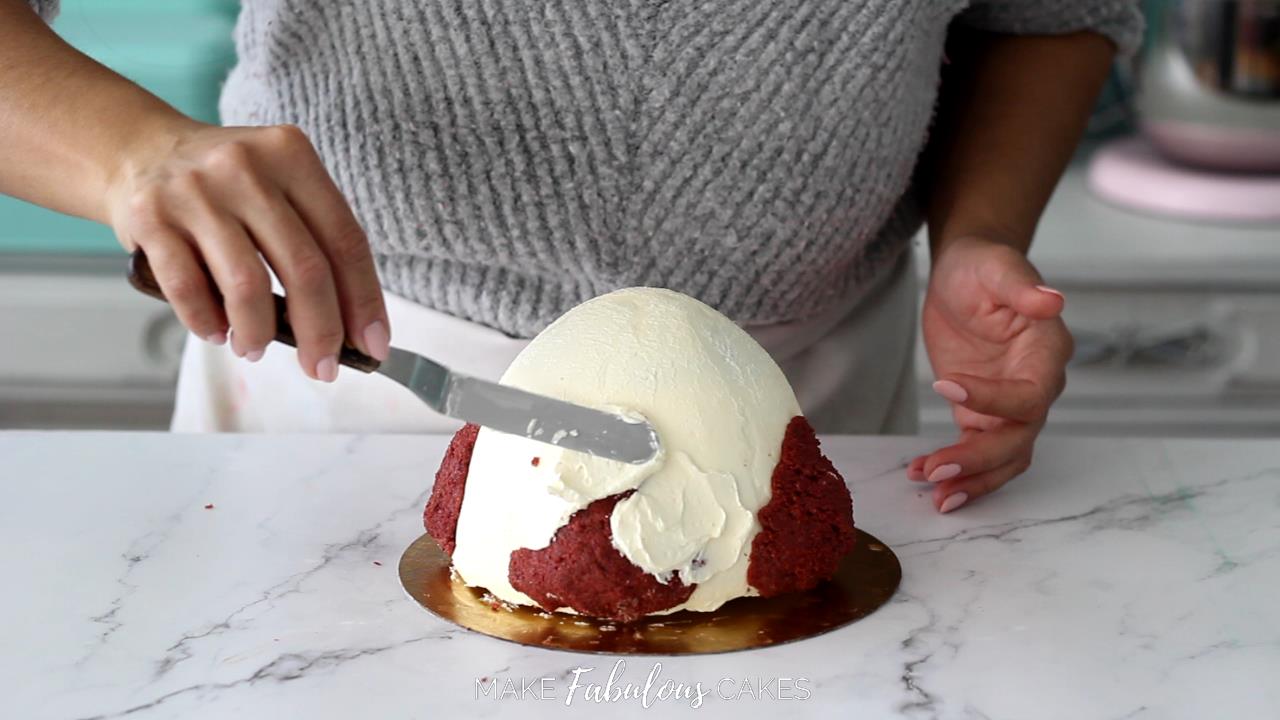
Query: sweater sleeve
47	9
1119	20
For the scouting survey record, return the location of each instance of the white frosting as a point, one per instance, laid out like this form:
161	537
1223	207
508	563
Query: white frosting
719	404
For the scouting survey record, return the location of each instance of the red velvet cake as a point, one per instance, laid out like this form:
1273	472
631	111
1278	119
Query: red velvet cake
805	529
738	501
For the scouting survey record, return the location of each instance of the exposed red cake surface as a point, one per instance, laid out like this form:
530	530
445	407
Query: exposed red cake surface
807	525
582	570
441	514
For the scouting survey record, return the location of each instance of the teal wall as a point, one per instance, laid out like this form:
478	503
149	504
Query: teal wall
179	49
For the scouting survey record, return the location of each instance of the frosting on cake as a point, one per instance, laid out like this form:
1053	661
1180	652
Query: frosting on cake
720	406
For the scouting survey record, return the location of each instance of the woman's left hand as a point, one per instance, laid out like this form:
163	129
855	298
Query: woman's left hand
999	350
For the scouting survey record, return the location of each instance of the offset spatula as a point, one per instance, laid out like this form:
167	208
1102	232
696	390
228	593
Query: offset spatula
500	407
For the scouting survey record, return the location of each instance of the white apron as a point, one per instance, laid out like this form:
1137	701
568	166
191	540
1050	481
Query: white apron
852	369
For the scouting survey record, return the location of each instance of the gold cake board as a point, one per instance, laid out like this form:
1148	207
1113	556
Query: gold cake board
865	580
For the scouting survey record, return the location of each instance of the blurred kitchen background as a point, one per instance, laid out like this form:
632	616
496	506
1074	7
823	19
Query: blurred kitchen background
1164	235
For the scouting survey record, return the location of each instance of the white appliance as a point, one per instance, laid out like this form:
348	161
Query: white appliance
81	348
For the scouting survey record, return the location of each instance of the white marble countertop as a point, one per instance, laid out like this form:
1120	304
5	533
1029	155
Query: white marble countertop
1119	579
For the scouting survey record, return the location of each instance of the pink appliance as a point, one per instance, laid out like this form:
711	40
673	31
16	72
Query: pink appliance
1208	107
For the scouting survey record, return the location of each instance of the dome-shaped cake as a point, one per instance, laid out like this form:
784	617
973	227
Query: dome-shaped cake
740	501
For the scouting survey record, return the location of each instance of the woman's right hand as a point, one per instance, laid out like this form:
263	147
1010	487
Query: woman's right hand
80	139
226	199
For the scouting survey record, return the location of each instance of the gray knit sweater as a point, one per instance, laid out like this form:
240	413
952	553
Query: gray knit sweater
511	158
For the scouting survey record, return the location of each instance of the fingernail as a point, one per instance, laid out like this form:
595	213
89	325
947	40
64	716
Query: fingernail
218	338
951	391
953	501
1051	291
377	340
944	472
253	355
327	369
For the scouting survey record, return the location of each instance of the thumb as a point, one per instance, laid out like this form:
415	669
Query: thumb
1016	284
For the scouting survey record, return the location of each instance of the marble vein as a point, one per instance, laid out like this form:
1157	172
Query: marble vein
290	666
365	539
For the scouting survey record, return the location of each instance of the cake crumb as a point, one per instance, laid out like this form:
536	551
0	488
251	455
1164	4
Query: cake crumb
379	564
208	506
495	604
536	460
